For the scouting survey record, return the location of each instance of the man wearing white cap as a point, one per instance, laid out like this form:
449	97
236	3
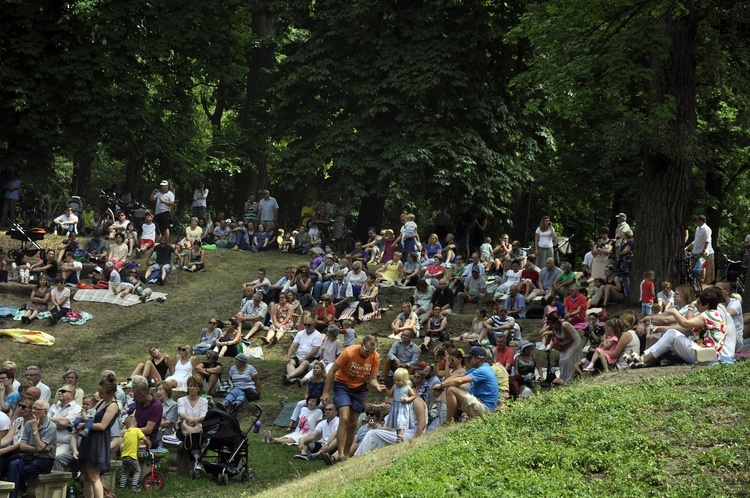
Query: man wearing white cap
163	211
622	227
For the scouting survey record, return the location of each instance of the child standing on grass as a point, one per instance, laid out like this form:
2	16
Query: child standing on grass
602	353
350	335
131	471
648	293
402	394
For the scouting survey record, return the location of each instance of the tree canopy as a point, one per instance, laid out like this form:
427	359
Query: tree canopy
590	109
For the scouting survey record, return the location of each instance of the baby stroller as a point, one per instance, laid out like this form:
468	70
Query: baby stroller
28	238
226	451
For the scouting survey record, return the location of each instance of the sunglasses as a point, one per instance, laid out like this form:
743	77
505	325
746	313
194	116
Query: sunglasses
181	349
25	407
61	391
212	323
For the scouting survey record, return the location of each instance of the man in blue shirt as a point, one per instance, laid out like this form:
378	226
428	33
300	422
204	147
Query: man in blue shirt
483	393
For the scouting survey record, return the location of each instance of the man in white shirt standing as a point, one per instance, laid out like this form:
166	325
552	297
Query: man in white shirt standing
622	227
701	247
164	202
268	211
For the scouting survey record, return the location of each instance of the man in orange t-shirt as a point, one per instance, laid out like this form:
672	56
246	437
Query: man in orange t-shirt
355	368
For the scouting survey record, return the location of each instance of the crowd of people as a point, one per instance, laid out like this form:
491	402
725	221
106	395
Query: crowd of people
427	380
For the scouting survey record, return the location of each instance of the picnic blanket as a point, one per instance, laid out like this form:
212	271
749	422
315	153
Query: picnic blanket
28	336
72	317
107	296
255	353
287	408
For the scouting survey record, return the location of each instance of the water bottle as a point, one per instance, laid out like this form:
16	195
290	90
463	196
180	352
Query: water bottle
71	491
256	427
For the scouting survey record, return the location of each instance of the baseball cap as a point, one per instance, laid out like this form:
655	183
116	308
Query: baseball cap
241	357
623	216
109	264
476	351
164	183
422	365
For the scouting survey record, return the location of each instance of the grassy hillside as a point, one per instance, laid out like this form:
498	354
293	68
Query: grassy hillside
673	436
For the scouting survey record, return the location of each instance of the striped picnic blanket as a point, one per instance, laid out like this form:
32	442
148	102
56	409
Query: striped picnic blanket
107	296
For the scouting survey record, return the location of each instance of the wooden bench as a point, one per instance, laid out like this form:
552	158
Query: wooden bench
52	485
6	488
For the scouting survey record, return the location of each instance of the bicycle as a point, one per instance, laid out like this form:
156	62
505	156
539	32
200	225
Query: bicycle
154	480
735	275
692	273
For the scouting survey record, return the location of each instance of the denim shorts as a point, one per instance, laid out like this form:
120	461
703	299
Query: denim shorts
346	396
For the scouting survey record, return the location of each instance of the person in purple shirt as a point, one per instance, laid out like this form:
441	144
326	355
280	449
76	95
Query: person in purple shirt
148	409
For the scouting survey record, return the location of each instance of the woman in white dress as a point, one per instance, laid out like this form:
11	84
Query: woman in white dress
544	239
183	368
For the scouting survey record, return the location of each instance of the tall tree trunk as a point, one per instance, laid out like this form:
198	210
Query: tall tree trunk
370	214
715	210
133	175
261	59
83	162
668	164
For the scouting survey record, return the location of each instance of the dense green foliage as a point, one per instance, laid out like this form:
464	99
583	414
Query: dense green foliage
565	107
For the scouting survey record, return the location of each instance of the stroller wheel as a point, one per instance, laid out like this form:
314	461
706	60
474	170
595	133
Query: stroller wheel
196	474
223	478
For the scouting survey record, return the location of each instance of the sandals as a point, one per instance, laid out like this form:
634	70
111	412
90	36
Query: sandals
264	341
399	439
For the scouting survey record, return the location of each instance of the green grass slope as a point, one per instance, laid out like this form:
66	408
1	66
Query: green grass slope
675	436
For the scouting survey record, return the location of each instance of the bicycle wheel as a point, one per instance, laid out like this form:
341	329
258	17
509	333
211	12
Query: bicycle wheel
154	481
696	285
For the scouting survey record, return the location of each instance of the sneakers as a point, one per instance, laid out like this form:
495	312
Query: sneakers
266	437
245	341
301	456
589	368
198	466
